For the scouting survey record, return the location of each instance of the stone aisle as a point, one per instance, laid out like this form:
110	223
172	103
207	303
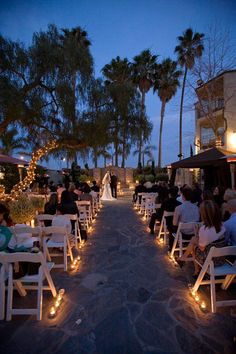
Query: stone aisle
130	298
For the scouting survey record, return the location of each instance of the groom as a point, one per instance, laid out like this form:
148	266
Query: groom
113	185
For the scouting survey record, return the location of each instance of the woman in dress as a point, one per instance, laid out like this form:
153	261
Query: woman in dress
106	194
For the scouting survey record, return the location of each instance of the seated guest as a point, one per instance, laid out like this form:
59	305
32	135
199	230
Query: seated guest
197	194
60	189
169	204
186	212
62	221
5	219
211	233
148	186
5	233
67	203
86	193
72	192
77	189
95	187
51	207
207	195
230	224
218	193
140	188
228	195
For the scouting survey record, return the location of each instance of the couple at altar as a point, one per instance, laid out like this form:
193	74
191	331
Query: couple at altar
109	184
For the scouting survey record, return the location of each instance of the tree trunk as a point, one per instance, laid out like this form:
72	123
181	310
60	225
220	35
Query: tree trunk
143	158
141	128
163	105
181	115
105	161
95	157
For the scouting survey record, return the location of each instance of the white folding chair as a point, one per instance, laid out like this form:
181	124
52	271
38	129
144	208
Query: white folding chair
88	207
226	270
3	278
60	232
77	235
163	226
180	244
7	259
83	216
44	217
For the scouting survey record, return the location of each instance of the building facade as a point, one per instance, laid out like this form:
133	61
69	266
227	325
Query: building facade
215	113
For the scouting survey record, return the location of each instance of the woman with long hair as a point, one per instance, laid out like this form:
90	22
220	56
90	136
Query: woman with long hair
211	233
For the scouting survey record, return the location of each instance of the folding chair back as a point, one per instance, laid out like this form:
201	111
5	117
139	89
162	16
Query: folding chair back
227	271
62	233
180	243
163	226
77	235
44	217
7	259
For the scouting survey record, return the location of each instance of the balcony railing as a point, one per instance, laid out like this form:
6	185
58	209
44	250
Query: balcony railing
211	143
212	106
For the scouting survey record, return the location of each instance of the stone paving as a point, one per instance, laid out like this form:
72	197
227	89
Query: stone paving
129	297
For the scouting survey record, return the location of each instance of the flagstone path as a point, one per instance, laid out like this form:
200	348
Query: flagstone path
129	297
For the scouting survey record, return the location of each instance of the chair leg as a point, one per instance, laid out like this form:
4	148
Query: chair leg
180	245
40	295
213	290
9	293
165	231
174	245
160	230
2	293
228	280
69	249
65	255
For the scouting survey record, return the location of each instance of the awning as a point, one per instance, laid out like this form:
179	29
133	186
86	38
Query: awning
12	160
211	157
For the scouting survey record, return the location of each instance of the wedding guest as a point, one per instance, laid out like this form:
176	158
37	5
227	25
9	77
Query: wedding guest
74	195
186	212
140	188
61	221
60	189
230	224
211	233
228	195
196	194
50	208
77	189
169	204
68	203
207	195
218	193
95	187
5	219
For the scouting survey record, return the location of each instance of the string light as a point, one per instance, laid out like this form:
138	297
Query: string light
18	188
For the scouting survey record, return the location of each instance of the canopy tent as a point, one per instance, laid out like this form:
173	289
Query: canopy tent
215	164
209	157
12	160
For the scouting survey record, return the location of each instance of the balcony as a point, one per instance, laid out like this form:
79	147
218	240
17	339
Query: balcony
212	106
211	143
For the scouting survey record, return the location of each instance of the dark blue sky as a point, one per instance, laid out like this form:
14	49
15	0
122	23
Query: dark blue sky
125	28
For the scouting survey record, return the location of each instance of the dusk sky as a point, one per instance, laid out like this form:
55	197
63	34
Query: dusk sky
125	28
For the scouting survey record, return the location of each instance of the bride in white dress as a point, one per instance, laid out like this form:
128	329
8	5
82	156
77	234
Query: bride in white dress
106	194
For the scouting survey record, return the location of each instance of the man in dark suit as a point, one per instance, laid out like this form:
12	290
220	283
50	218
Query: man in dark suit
113	185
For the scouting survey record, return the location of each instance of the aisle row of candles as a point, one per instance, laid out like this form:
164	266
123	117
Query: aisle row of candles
161	242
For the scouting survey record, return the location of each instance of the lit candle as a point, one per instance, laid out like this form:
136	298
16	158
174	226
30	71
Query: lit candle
203	306
52	312
197	298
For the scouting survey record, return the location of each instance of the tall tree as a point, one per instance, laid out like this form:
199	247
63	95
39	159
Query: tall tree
189	48
166	82
144	66
123	96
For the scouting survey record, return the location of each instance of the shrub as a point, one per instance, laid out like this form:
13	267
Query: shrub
38	203
22	210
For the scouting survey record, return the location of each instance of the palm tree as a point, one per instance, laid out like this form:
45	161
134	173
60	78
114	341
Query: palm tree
144	67
146	151
118	74
10	141
190	47
166	83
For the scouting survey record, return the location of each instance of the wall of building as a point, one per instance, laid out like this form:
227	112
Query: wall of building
230	110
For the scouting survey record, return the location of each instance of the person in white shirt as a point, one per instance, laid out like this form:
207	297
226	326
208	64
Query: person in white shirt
62	221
